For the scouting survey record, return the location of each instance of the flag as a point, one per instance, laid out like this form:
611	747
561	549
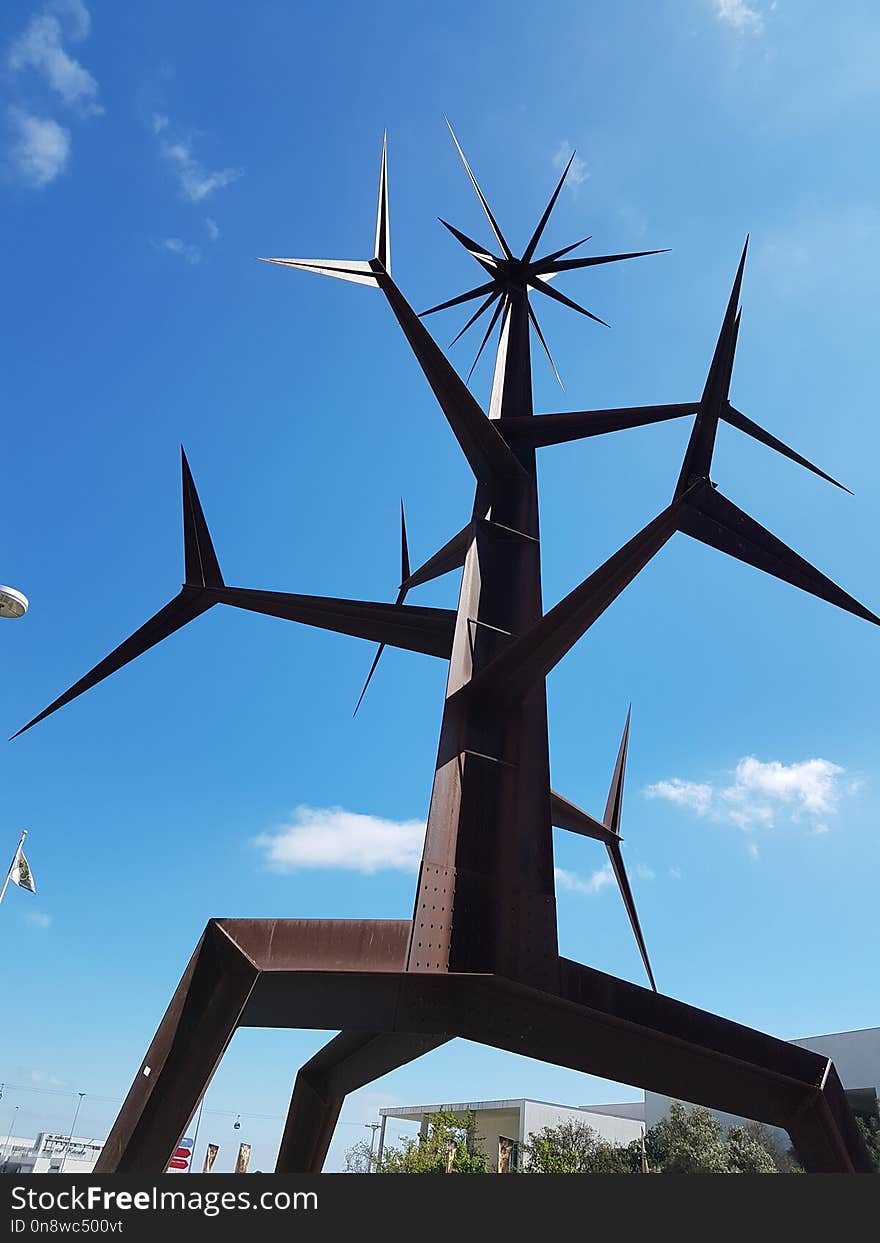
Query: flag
210	1157
646	1169
20	873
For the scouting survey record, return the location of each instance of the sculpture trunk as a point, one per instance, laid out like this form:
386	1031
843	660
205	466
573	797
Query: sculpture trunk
485	900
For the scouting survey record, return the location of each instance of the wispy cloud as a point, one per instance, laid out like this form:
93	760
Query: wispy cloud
594	883
40	48
43	1078
740	15
330	837
762	792
644	872
212	229
691	794
39	149
578	173
177	246
195	181
37	919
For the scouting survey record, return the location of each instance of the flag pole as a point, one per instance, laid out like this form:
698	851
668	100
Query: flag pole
24	834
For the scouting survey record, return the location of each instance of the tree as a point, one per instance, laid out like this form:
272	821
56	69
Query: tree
686	1141
449	1147
359	1158
572	1148
870	1129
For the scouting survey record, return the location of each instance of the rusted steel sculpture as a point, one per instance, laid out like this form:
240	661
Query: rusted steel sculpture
479	958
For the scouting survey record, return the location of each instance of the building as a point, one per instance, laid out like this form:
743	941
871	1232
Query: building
502	1127
48	1152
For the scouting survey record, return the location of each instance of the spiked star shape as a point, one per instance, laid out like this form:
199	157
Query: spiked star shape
512	277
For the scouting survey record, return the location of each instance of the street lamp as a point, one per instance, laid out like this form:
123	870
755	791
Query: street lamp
12	603
11	1125
70	1136
374	1127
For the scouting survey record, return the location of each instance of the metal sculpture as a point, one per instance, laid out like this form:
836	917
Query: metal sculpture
479	958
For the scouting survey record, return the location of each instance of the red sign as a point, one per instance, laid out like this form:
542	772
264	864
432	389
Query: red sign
177	1163
183	1153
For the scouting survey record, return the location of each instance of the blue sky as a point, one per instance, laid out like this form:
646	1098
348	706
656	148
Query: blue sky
149	154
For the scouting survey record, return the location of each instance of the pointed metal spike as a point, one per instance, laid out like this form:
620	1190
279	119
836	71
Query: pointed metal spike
201	568
476	315
492	322
554	429
382	246
531	656
416	629
591	261
568	816
379	650
537	327
343	269
707	515
462	297
557	254
614	805
482	444
484	257
492	221
616	857
404	551
721	367
543	287
185	607
738	420
447	558
542	223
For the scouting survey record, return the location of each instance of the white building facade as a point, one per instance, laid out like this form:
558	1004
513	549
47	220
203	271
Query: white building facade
501	1128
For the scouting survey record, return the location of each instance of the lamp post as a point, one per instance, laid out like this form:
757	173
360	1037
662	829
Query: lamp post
70	1136
373	1127
11	1126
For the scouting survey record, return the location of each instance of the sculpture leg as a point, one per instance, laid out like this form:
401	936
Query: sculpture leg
621	1031
198	1025
348	1062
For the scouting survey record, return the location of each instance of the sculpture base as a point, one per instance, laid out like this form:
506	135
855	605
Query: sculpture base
349	976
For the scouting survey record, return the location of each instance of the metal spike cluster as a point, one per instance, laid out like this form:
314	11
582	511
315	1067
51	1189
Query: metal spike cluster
495	677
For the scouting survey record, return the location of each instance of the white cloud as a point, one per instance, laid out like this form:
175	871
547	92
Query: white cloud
644	872
212	228
686	793
594	883
578	173
37	919
330	837
807	791
40	148
176	246
196	182
40	47
77	15
740	15
675	873
44	1078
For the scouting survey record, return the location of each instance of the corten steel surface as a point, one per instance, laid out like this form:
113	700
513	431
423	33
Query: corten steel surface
479	958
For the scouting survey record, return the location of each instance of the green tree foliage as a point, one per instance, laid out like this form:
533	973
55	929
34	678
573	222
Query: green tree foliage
686	1141
448	1147
573	1148
359	1158
870	1129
